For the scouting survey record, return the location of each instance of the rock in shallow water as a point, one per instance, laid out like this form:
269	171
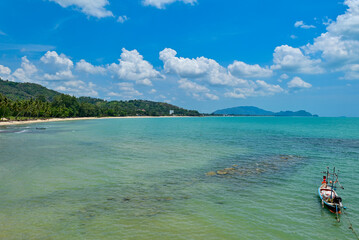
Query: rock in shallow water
211	173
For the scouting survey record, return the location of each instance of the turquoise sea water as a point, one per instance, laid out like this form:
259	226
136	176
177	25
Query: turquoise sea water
146	178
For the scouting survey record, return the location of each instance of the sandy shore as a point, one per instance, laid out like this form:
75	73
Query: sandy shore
5	123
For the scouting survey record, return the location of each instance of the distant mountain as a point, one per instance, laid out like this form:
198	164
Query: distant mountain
244	111
300	113
254	111
24	91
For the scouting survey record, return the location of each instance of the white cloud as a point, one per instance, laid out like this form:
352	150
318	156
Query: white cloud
78	87
301	24
122	19
298	83
186	67
339	46
4	71
58	67
347	24
265	89
191	86
26	73
63	75
198	68
127	91
207	70
284	76
87	67
257	88
132	67
334	49
162	3
196	90
94	8
153	91
211	96
2	33
236	93
351	72
292	59
293	36
241	69
51	57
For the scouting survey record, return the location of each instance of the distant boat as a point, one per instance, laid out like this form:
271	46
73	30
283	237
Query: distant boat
328	195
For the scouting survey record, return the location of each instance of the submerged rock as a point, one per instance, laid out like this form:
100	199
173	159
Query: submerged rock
222	172
229	169
211	173
270	164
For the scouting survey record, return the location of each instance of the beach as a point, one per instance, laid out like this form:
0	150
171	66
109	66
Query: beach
7	123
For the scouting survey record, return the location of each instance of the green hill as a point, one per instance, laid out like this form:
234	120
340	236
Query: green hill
29	100
24	91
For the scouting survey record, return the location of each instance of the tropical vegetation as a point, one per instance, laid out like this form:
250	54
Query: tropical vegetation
26	100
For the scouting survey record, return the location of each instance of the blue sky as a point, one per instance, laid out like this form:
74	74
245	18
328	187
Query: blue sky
197	54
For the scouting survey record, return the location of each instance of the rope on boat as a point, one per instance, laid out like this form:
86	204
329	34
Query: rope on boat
351	226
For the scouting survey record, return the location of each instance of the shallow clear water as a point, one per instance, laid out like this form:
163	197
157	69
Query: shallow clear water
146	178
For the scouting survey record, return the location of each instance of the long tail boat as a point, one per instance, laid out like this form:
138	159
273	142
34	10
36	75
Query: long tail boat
328	195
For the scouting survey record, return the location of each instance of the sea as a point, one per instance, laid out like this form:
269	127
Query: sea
177	178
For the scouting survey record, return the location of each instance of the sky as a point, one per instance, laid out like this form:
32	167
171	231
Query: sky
197	54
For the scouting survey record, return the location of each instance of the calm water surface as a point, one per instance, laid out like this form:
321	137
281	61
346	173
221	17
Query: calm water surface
146	178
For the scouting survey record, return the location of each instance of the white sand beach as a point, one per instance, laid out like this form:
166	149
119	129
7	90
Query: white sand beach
5	123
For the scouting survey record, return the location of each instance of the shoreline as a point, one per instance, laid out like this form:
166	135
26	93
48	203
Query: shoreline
9	123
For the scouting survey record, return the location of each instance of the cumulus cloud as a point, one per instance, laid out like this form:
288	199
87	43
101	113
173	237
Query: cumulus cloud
284	76
126	90
199	68
26	72
208	71
4	71
161	4
132	67
298	83
58	66
186	67
351	72
87	67
211	96
300	24
196	90
51	57
94	8
244	70
339	45
78	87
122	19
292	59
257	88
191	86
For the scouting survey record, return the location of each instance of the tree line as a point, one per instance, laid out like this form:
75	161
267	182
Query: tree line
66	106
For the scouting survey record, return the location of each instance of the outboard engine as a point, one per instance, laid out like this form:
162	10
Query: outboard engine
337	200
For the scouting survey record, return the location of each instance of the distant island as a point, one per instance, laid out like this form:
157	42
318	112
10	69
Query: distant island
254	111
24	101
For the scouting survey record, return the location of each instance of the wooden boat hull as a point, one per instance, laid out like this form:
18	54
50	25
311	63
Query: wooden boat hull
333	207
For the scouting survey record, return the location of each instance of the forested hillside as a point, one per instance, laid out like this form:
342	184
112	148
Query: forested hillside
28	100
25	91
